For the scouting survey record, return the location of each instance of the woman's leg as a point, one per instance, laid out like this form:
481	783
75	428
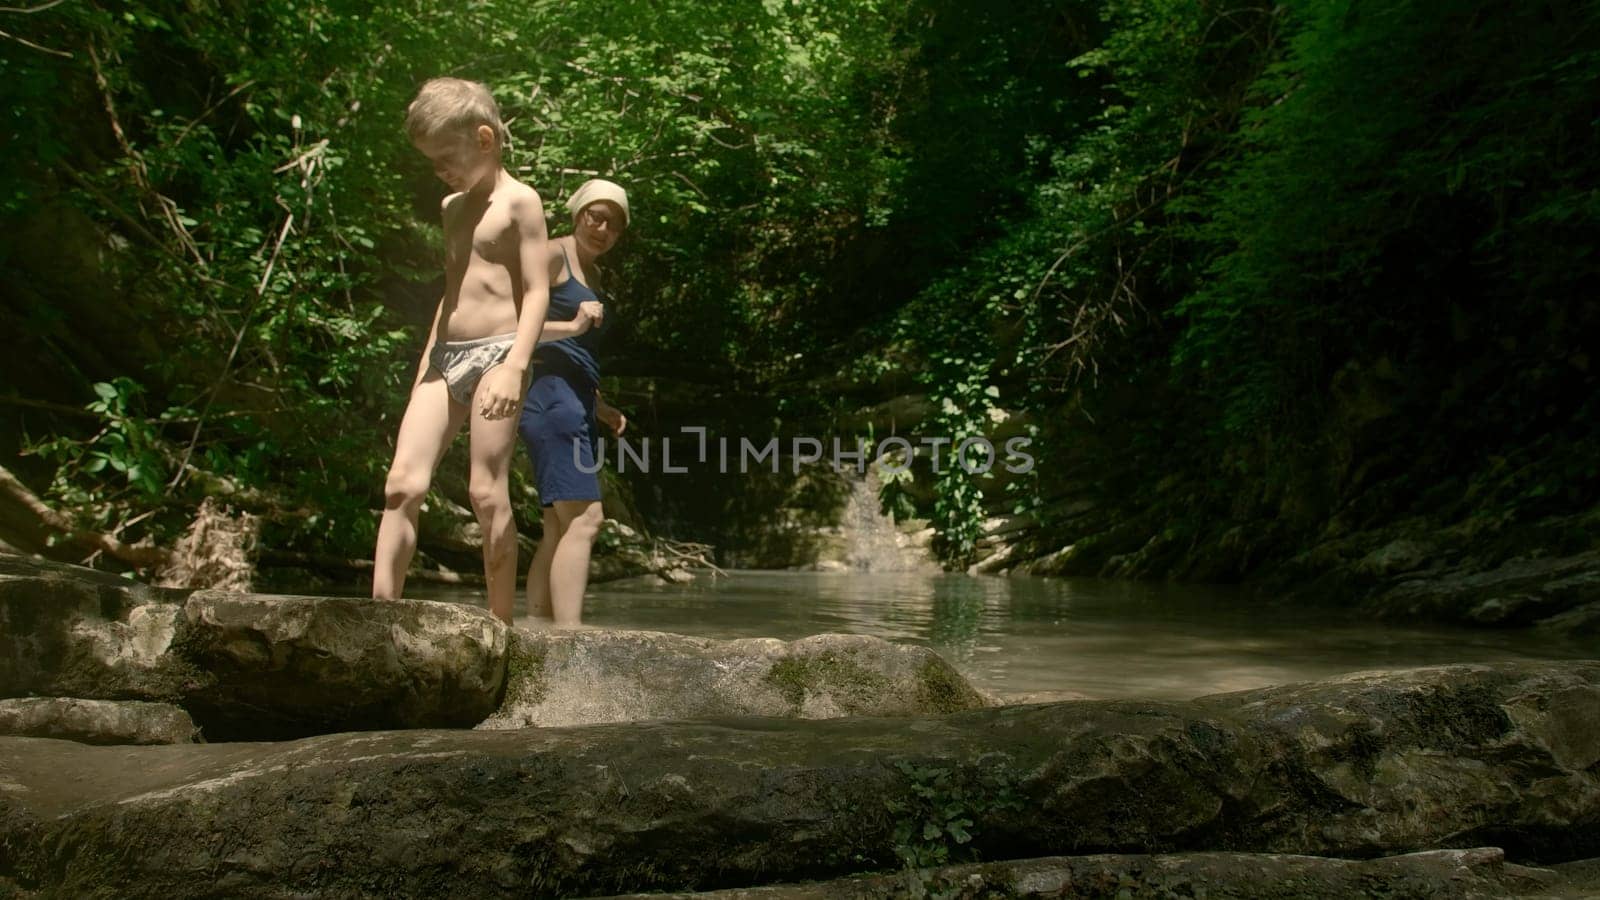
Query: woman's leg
569	568
539	568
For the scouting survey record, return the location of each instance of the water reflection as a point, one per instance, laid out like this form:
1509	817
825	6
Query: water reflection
957	616
1095	638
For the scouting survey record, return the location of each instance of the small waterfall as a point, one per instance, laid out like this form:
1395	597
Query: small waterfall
875	543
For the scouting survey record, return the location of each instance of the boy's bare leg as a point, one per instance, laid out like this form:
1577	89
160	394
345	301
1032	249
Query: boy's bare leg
569	569
489	485
430	421
539	569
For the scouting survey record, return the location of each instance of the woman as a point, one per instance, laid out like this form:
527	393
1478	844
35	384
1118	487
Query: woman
563	402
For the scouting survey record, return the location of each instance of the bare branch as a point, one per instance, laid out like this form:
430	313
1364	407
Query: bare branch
208	111
46	520
27	43
685	179
312	152
32	9
141	173
227	365
307	163
81	413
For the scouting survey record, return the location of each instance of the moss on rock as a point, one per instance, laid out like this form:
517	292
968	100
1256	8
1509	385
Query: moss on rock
851	685
525	675
941	688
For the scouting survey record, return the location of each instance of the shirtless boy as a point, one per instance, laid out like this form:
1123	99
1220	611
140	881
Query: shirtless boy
497	291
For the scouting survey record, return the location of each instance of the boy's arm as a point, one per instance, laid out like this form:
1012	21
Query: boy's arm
502	392
438	312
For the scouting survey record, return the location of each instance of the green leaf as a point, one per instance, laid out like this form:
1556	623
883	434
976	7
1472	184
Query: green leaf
958	830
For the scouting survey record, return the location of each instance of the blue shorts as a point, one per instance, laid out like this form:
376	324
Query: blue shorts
558	428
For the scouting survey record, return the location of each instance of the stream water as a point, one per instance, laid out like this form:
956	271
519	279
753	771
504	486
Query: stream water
1098	639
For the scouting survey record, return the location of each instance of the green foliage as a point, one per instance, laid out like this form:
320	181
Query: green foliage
1011	207
121	463
934	824
250	210
894	492
1036	309
1402	182
1274	195
271	220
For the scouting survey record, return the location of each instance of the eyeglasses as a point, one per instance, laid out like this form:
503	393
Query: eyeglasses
597	219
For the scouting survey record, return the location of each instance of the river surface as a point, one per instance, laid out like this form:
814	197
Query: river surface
1098	639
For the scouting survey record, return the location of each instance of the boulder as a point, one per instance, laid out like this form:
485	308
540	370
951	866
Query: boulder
1519	592
1501	755
284	666
247	666
1582	623
1394	558
71	631
97	721
590	677
1475	745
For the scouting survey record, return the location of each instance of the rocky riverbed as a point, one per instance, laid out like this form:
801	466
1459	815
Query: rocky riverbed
608	762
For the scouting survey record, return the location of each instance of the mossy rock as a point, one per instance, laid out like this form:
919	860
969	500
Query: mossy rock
593	677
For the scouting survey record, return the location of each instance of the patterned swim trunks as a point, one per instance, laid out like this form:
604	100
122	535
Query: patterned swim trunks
463	363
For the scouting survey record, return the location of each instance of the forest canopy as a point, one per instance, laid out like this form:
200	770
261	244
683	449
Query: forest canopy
1282	265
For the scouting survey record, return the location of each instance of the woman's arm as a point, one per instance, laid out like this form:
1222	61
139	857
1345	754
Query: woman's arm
555	331
591	313
609	414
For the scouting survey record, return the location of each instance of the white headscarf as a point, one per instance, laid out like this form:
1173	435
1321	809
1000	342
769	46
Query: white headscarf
595	190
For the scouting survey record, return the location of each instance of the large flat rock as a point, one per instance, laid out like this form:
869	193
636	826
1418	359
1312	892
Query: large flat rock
274	667
591	677
282	666
1477	874
1501	755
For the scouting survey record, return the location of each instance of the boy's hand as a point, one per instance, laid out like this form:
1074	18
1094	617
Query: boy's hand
501	392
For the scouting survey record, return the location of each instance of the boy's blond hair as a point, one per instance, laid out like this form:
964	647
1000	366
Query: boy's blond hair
453	106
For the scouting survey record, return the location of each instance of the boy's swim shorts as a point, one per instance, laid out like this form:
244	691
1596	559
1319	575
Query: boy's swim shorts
463	363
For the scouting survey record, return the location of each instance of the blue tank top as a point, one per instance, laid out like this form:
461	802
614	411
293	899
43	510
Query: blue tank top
573	355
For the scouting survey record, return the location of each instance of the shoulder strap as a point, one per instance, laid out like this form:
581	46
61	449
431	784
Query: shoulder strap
566	264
